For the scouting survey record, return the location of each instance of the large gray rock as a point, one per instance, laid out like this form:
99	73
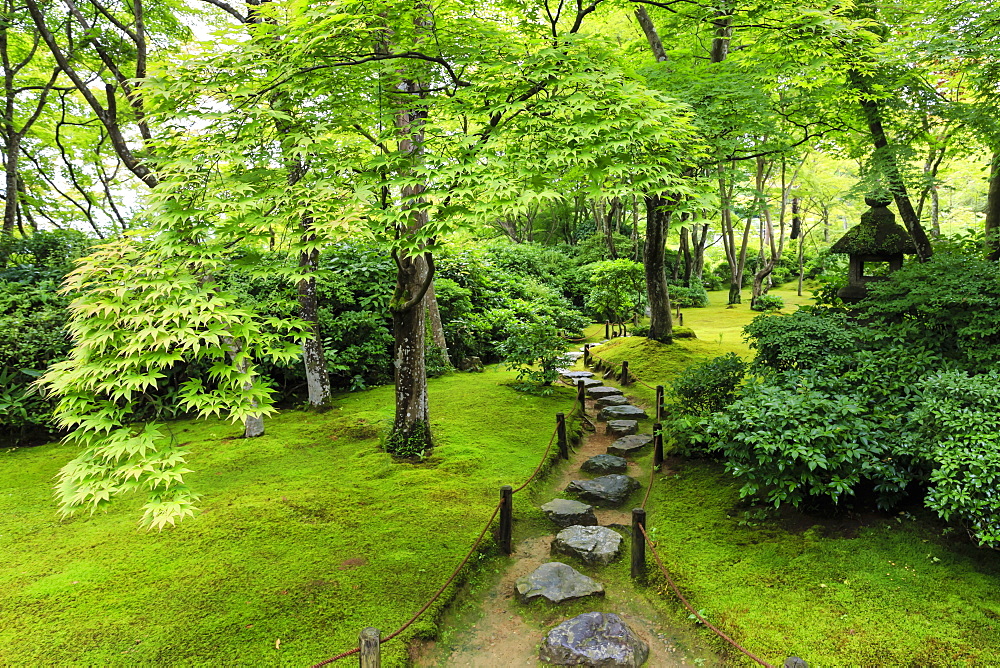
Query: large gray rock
621	427
576	375
628	445
596	640
608	490
567	513
603	464
611	400
622	413
598	546
600	391
590	382
556	582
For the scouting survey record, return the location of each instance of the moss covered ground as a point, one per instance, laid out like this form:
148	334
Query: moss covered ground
304	536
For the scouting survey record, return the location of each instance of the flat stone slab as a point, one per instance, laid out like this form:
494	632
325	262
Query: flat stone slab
627	445
597	546
622	413
576	375
603	464
607	490
621	427
567	513
594	639
589	382
601	391
612	400
556	582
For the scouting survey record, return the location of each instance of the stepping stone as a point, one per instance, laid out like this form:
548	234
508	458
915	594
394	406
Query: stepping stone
612	400
576	375
602	464
622	427
589	382
556	582
567	513
629	444
598	546
573	356
601	391
622	413
594	639
608	490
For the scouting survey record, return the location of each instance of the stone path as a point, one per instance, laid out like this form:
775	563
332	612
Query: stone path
589	532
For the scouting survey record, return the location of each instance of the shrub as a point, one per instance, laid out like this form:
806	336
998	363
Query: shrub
799	340
709	386
617	290
768	303
692	297
536	350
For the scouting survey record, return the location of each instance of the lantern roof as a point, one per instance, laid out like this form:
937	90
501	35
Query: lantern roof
878	233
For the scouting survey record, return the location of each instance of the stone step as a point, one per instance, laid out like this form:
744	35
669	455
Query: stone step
576	375
567	513
604	464
594	639
622	413
628	445
621	427
601	391
556	582
597	546
607	490
612	400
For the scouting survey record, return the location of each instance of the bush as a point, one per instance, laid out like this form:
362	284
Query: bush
711	281
536	350
958	434
799	340
768	303
710	386
692	297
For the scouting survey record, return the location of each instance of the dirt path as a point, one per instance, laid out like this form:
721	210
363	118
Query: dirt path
486	626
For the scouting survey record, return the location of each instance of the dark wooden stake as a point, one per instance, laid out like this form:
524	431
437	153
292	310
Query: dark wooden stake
638	543
659	403
657	445
625	380
371	650
680	319
561	430
607	329
586	355
581	395
506	518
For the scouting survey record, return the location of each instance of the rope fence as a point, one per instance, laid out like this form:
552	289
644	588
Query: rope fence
504	508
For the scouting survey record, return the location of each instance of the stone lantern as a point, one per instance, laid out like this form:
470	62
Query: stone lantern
877	239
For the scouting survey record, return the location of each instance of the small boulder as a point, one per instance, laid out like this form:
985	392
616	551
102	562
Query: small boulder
590	382
612	400
621	427
608	490
567	513
627	445
601	391
576	375
622	413
471	364
603	464
556	582
596	639
598	546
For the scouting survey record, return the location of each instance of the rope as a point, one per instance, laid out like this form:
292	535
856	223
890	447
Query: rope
340	656
545	458
690	608
649	486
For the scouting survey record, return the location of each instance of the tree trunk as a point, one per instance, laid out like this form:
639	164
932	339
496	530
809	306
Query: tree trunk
411	433
437	327
992	226
13	149
661	326
684	255
313	355
699	237
655	44
253	426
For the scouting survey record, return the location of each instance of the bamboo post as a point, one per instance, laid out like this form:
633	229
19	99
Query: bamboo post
369	641
581	395
638	543
506	518
561	430
659	403
625	380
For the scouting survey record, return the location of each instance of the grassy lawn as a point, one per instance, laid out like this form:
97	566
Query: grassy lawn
305	536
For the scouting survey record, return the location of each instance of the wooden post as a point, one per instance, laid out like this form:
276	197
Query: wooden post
586	354
625	377
607	329
581	395
370	655
680	318
659	403
657	444
561	430
506	518
638	543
